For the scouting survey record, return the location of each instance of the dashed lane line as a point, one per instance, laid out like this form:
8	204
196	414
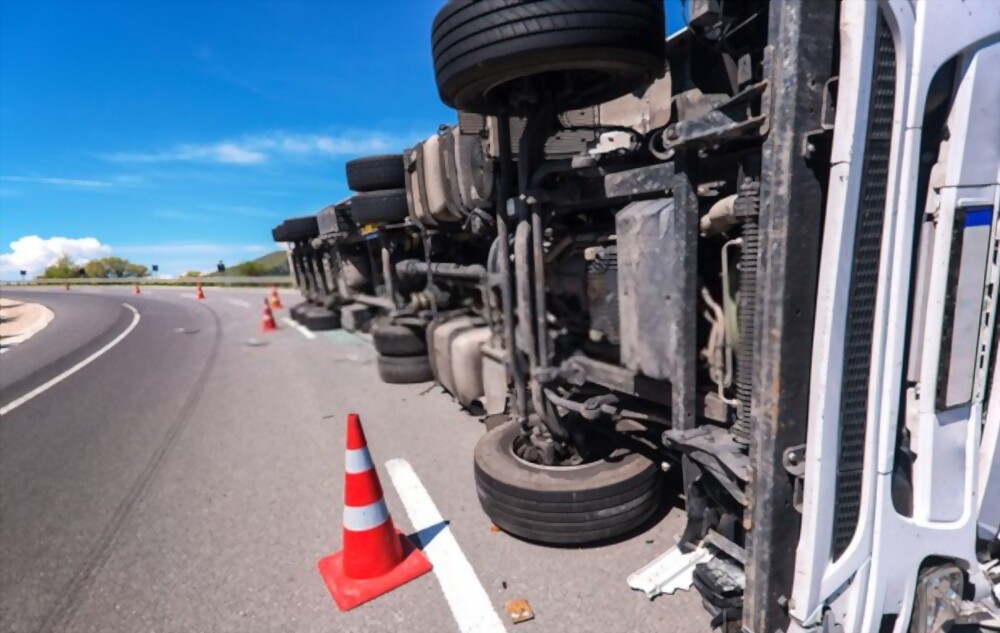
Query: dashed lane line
239	302
37	391
298	326
470	604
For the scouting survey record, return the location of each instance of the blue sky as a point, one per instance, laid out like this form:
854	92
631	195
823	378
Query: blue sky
178	133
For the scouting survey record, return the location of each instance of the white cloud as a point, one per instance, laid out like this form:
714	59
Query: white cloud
250	212
226	152
181	216
33	253
256	149
64	182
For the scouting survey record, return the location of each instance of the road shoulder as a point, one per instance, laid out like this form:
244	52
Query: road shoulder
20	320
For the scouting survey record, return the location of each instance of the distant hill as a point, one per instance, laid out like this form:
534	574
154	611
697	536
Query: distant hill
275	263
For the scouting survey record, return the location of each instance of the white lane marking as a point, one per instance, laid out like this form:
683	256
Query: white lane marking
239	302
469	602
75	368
44	318
188	295
298	326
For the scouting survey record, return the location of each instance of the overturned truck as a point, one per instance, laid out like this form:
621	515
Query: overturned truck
759	257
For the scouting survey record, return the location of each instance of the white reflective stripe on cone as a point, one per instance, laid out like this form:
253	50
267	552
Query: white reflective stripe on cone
358	460
365	517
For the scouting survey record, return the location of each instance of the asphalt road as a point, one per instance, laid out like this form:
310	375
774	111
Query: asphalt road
186	480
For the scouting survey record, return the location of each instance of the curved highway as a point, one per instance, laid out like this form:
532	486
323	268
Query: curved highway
163	467
76	458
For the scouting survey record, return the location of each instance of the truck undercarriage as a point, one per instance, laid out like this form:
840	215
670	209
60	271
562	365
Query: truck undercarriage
759	256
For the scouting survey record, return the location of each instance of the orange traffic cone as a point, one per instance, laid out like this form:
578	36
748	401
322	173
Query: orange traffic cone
267	323
376	557
200	294
275	299
135	290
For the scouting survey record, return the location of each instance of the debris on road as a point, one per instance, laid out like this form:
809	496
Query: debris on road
519	610
668	572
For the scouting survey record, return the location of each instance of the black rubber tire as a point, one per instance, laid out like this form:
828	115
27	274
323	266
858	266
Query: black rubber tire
404	370
374	173
296	310
602	49
301	229
279	233
391	339
379	207
591	503
319	319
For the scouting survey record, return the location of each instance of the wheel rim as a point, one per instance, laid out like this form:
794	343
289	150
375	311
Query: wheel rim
599	456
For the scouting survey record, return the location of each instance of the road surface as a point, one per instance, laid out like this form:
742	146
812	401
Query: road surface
185	479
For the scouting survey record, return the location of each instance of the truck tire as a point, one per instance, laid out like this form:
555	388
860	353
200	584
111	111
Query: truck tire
296	310
485	50
397	340
301	229
373	173
404	370
573	505
319	319
379	207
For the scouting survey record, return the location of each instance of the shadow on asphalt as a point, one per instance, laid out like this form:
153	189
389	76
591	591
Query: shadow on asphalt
421	538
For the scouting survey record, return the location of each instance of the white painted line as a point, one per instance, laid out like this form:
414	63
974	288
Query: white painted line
44	318
75	368
469	602
298	326
239	302
188	295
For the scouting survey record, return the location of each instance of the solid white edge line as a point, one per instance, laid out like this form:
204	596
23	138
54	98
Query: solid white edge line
470	604
298	326
37	326
239	302
75	368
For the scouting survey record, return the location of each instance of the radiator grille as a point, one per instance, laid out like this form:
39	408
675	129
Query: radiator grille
864	284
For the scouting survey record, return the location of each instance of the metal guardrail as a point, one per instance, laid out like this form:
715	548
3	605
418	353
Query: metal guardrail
271	280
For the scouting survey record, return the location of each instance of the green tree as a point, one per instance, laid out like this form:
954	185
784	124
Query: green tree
191	273
95	269
63	268
136	270
116	267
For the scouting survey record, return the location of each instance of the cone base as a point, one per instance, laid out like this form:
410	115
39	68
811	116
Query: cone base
348	593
